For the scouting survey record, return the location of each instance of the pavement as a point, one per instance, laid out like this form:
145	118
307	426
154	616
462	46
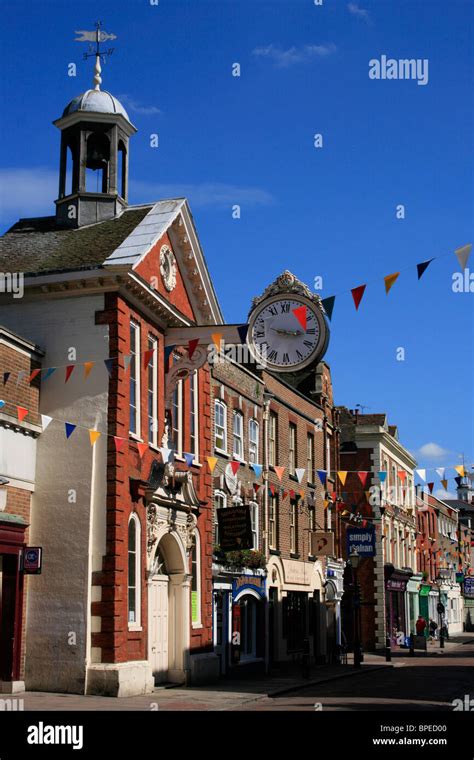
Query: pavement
423	682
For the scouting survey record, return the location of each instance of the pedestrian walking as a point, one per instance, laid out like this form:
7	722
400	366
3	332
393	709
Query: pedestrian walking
420	626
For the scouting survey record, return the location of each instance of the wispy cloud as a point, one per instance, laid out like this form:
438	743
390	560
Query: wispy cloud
442	494
133	105
218	194
359	12
431	451
284	58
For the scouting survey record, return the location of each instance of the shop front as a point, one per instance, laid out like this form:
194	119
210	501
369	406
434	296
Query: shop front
413	602
12	543
396	605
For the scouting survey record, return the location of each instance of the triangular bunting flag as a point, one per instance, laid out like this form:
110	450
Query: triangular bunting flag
211	461
34	374
333	496
430	486
87	368
363	477
342	475
69	428
462	255
367	495
217	340
322	476
192	345
93	436
243	330
257	468
2	403
50	371
6	375
460	470
402	475
357	294
292	493
301	316
272	489
168	351
234	466
422	474
69	370
328	305
444	483
189	459
109	365
147	356
256	486
440	471
167	455
458	481
302	492
389	281
119	442
284	494
279	472
421	268
22	412
142	447
45	421
20	377
382	476
299	472
126	361
325	503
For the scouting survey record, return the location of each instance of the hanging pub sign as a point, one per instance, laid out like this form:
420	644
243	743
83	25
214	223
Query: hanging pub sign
32	556
322	543
235	529
361	540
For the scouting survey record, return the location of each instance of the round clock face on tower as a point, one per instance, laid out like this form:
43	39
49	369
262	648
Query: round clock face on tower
287	333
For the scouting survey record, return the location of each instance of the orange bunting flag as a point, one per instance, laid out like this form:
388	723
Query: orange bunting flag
87	368
367	495
192	345
402	475
326	503
460	470
235	467
93	436
389	281
444	483
22	412
302	493
357	294
69	371
119	442
142	447
217	340
301	316
279	472
211	461
363	477
342	474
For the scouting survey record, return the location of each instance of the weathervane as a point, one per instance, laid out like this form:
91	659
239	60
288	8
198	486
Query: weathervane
96	36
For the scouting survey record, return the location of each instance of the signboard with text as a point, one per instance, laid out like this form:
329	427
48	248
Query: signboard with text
32	560
235	529
469	588
361	540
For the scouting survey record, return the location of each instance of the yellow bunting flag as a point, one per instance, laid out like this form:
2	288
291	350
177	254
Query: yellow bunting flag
326	503
217	340
342	474
87	368
389	281
460	470
279	472
211	461
93	436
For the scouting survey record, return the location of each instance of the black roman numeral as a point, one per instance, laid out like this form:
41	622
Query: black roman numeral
272	356
285	307
273	310
307	343
286	358
311	331
299	354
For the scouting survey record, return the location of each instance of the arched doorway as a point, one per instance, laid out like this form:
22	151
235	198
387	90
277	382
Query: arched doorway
168	611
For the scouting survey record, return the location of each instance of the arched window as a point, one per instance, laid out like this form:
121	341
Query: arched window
220	502
196	581
134	572
238	436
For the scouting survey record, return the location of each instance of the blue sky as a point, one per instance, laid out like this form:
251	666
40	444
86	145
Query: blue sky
248	140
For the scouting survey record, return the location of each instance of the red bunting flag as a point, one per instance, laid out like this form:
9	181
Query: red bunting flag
147	356
34	374
69	371
192	345
256	486
430	486
301	316
235	467
272	489
292	493
284	494
119	442
402	475
22	412
279	472
363	477
357	294
142	447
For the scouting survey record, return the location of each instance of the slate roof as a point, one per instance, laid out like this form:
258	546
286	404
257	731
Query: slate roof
35	246
371	419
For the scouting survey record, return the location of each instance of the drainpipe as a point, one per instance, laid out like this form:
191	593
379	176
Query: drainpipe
267	397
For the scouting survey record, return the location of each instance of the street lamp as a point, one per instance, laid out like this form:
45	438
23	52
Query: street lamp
440	609
354	560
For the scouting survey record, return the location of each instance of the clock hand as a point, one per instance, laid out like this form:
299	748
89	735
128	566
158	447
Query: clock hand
287	332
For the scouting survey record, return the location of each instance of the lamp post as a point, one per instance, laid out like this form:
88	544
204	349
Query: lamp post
440	609
354	560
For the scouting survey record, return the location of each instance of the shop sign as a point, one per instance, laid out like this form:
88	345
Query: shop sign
246	582
235	530
459	577
32	556
396	585
361	540
469	588
322	543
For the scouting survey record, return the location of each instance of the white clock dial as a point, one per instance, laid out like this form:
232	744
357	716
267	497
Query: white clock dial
286	333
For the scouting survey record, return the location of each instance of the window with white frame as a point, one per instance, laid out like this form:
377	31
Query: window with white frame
253	441
134	572
220	502
253	506
238	435
272	439
220	426
134	425
310	468
293	527
272	522
292	449
152	391
328	453
176	441
194	414
196	580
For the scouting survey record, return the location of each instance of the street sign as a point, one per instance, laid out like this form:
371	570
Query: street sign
361	540
32	560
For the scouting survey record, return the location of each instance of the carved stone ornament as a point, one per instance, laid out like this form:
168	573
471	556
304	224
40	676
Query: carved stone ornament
286	283
181	369
168	267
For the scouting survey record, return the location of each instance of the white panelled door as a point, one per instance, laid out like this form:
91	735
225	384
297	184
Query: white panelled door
158	627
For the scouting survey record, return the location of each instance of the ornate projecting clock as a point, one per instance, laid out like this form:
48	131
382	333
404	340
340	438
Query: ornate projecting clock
287	329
